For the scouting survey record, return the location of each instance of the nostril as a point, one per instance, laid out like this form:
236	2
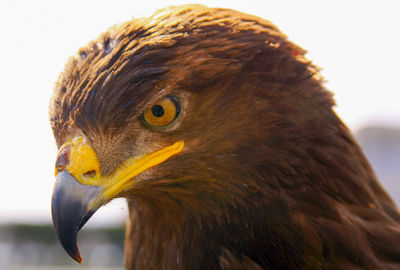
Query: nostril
89	174
62	159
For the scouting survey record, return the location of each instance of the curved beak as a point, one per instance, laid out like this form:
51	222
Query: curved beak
72	205
80	188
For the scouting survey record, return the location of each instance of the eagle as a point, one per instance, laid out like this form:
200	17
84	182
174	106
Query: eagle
222	137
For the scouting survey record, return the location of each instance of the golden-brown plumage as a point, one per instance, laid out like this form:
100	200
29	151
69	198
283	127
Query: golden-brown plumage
269	177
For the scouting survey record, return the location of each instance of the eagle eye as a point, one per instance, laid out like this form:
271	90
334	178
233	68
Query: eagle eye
163	112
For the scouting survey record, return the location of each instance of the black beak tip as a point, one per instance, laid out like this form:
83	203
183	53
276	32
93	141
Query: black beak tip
69	211
66	230
73	251
69	233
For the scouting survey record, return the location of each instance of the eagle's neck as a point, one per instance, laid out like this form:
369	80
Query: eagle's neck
158	241
245	239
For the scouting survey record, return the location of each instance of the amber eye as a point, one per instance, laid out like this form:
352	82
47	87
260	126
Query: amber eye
163	112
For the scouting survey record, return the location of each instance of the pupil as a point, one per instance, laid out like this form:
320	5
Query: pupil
157	110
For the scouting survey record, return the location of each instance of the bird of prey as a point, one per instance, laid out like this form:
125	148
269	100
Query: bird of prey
221	136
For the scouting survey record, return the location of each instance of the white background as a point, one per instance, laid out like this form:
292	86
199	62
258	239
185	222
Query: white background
355	42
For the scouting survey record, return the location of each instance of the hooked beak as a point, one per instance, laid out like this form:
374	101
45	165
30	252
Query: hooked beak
70	210
80	189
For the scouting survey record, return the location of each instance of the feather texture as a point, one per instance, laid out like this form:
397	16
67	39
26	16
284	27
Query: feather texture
270	178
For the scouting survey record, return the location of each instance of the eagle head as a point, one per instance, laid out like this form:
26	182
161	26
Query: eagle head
215	127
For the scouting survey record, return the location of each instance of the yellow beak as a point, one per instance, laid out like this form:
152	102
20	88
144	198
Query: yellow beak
84	166
80	188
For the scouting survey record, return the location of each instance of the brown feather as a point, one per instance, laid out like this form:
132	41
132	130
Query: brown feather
270	178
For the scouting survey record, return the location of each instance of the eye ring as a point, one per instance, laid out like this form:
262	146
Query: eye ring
163	113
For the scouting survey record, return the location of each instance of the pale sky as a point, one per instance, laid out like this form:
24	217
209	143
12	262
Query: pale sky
357	43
